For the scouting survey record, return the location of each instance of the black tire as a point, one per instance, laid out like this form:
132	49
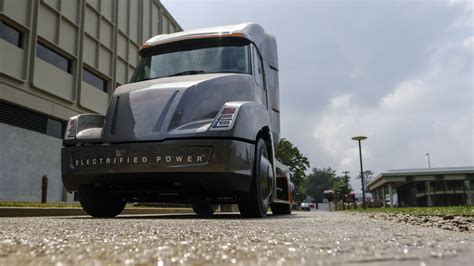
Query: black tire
204	209
100	203
281	209
254	204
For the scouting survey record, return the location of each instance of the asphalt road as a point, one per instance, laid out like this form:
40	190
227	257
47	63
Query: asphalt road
310	238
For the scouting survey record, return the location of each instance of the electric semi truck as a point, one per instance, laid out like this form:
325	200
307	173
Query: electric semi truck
198	124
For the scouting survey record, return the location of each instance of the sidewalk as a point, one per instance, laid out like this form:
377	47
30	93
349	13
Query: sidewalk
32	212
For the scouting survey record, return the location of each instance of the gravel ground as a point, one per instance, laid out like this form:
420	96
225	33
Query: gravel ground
310	238
447	222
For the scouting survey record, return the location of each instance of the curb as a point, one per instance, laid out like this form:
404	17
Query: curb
36	212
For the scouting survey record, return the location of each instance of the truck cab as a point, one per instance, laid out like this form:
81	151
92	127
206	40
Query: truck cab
198	124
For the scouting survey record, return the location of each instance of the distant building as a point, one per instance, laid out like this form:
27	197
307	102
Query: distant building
60	58
424	187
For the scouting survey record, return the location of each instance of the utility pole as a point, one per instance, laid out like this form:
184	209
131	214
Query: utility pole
428	157
346	180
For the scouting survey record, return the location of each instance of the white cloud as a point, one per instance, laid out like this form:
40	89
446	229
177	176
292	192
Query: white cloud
469	42
466	19
405	96
342	102
431	112
355	74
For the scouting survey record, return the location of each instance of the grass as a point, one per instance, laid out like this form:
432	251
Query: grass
23	204
39	205
423	211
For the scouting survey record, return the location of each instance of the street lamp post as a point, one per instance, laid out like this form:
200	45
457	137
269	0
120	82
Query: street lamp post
359	139
428	157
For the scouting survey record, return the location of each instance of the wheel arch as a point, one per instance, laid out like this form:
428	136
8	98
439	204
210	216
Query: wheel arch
265	133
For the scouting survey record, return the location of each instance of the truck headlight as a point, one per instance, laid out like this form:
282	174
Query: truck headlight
226	117
85	126
71	128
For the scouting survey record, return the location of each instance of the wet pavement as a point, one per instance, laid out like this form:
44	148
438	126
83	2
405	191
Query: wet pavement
310	238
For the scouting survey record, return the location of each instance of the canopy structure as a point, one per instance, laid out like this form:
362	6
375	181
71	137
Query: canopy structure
424	187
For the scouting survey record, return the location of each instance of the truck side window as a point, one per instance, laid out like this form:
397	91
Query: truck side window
257	67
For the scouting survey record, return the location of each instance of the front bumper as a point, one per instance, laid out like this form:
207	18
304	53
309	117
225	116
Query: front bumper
199	164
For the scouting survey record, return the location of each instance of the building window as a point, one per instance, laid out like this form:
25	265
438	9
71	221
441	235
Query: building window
20	117
11	35
94	80
53	58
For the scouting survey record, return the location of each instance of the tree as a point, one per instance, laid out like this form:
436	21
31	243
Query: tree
341	188
368	175
289	155
318	181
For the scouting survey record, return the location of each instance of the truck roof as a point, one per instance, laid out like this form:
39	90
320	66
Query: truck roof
253	32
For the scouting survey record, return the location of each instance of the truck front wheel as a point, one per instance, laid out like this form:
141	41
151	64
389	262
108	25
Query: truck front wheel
254	204
100	203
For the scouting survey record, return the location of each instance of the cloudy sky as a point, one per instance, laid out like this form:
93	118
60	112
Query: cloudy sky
399	72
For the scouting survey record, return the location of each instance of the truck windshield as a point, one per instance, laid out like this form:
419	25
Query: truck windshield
218	59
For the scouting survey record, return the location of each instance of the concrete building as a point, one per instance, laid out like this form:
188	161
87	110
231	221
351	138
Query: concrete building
60	58
424	187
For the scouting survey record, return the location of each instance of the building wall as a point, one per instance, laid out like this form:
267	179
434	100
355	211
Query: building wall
100	36
65	57
24	162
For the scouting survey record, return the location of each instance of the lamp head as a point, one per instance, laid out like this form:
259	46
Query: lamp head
359	138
